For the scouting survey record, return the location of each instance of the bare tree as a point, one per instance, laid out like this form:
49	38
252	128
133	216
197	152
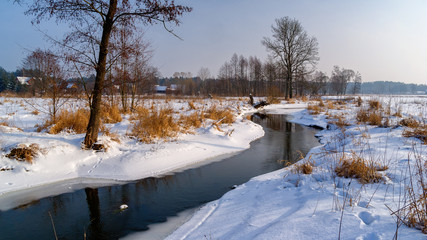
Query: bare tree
340	77
292	48
204	73
357	83
90	17
318	83
48	79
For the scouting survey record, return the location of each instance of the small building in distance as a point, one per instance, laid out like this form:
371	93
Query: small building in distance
25	80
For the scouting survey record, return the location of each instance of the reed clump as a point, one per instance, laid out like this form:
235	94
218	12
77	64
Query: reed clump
74	121
221	115
158	124
356	167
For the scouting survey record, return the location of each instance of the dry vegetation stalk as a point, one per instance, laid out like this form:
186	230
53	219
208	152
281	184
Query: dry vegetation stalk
416	209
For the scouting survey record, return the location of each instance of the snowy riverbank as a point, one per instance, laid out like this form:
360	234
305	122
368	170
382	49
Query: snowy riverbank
287	204
62	159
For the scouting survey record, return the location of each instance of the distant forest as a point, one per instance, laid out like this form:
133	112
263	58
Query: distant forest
230	87
387	87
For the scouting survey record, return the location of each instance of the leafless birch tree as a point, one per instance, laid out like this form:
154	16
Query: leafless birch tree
292	48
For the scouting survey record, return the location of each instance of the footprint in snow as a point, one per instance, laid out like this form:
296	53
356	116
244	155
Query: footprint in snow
369	236
367	217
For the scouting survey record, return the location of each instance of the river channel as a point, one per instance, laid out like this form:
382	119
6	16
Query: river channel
93	212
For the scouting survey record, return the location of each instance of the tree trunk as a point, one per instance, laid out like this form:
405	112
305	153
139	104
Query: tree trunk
95	108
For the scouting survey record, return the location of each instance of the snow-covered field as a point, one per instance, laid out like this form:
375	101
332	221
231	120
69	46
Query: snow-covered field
284	204
62	160
287	204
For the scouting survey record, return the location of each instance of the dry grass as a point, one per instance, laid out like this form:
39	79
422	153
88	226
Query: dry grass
304	98
414	212
191	105
375	118
291	100
138	112
68	121
409	122
356	167
155	125
419	132
314	109
365	116
374	104
222	116
35	112
303	168
110	114
24	153
330	105
191	121
4	123
340	121
362	116
359	101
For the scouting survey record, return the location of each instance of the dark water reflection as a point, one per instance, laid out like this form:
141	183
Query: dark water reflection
95	213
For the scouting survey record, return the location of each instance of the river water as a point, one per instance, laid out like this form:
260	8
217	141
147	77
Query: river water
93	213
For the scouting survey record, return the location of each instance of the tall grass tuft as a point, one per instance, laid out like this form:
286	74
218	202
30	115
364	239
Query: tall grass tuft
223	116
110	114
159	123
355	167
68	121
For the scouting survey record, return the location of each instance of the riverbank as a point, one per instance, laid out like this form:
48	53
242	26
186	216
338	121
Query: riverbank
289	204
61	158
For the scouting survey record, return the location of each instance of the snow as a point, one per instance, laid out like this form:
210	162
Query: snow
62	160
288	205
280	205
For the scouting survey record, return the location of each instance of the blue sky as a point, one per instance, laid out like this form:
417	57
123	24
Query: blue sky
382	39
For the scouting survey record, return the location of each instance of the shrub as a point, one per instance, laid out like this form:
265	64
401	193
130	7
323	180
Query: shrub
356	167
157	124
